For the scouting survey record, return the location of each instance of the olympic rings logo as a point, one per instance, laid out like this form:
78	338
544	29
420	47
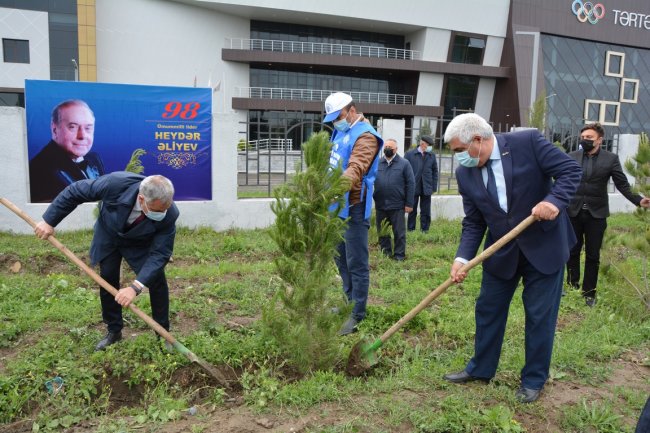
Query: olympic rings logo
588	11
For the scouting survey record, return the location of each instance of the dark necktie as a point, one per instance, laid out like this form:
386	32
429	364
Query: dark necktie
136	221
491	182
588	166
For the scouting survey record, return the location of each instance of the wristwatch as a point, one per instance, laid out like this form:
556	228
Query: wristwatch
137	289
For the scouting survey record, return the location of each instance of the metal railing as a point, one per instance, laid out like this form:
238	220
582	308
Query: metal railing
281	144
321	95
260	171
322	48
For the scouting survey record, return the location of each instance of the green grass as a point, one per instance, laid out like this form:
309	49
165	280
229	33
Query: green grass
50	320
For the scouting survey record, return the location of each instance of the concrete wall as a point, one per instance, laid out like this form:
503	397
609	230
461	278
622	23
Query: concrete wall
491	14
393	128
223	212
484	96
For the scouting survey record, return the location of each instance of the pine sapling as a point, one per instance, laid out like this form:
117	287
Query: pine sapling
637	237
300	317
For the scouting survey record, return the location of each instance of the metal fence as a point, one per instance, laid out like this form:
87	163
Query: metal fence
321	95
321	48
262	168
274	144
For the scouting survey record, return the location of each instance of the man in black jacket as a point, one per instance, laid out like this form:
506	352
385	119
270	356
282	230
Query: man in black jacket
589	208
394	188
67	157
425	169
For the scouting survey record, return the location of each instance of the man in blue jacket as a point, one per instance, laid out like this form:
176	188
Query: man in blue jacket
393	196
137	223
425	169
355	148
504	179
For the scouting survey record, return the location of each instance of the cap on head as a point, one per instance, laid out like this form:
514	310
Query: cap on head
334	104
427	139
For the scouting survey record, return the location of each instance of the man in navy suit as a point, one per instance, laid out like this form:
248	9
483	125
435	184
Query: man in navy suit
504	179
137	222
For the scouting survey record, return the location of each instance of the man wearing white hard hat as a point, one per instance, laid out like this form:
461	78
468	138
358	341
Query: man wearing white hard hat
355	148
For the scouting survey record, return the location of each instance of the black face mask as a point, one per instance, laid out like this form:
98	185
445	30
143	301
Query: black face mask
587	145
389	152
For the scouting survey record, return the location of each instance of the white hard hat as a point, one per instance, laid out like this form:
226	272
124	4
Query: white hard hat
334	104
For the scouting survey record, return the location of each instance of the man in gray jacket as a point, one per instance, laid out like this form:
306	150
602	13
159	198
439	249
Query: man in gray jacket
394	191
425	169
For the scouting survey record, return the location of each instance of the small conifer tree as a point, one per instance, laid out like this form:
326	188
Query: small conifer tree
300	317
537	115
134	166
637	237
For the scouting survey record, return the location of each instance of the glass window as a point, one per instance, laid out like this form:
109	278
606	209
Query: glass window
460	94
35	5
467	49
574	71
12	99
375	82
15	50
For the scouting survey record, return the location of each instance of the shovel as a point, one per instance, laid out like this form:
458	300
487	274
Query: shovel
364	353
212	371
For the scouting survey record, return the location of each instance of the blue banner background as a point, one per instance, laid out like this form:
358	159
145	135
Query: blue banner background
128	117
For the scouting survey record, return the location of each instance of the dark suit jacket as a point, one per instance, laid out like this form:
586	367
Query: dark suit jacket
534	170
118	192
593	186
51	170
425	170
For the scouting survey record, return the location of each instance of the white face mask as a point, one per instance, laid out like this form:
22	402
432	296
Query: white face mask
342	125
466	160
153	215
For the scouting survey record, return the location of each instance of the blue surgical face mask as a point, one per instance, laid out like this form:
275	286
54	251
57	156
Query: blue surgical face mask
429	149
153	215
466	160
342	125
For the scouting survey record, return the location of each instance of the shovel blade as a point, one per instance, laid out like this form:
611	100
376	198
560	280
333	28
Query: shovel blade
363	357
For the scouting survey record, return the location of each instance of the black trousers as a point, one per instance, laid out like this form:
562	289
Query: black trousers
109	269
590	232
425	213
395	218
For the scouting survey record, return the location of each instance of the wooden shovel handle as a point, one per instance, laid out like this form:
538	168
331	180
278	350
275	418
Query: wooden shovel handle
88	270
469	265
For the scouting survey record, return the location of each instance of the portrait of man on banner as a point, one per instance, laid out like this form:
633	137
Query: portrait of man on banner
82	130
67	157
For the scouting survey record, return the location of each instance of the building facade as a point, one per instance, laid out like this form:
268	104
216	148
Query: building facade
275	62
271	59
272	64
589	60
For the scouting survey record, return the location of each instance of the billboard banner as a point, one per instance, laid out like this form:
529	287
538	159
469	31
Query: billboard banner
79	130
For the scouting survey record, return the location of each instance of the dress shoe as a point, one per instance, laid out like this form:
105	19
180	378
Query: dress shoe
349	326
527	395
463	377
110	338
590	302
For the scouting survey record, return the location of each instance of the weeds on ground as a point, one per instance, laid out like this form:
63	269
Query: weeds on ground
50	320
